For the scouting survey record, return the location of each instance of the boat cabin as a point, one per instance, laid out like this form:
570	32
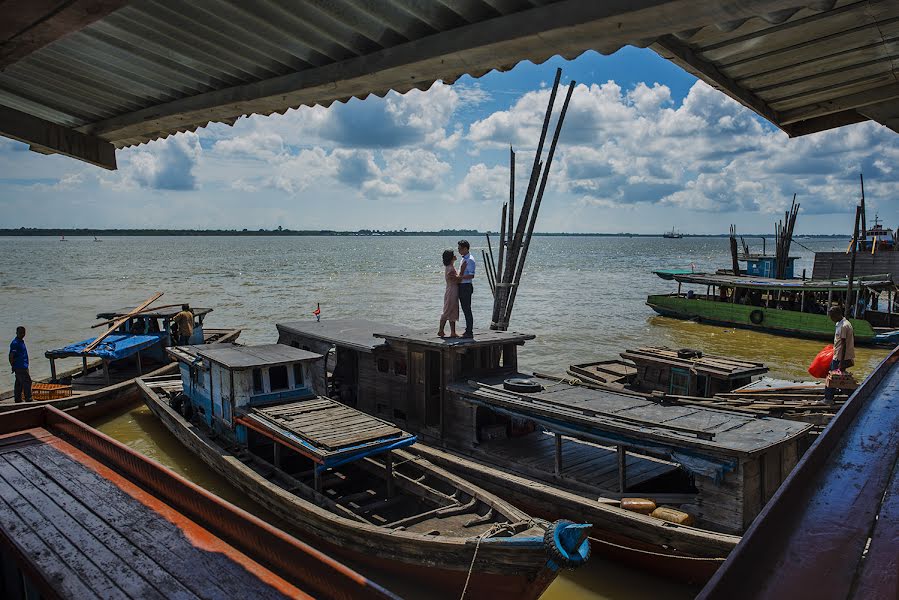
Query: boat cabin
266	399
468	395
760	265
667	371
156	321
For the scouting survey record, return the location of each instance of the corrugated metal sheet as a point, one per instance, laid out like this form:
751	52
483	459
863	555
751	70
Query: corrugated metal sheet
133	75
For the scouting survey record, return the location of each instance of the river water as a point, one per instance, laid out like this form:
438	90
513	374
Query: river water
582	296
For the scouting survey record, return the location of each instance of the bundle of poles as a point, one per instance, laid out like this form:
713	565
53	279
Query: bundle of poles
783	236
504	274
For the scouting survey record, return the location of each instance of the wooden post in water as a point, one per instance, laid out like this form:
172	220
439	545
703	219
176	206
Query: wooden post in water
850	309
735	263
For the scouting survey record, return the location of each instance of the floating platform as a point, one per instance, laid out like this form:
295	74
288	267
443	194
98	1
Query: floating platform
82	516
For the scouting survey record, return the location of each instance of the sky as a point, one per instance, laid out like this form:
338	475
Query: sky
645	147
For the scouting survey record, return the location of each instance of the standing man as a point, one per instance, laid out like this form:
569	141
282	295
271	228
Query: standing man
184	321
466	285
843	347
18	360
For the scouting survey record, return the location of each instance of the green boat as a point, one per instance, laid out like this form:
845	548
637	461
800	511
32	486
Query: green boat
793	307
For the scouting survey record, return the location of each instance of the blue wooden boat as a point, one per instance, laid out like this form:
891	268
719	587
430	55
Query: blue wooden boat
103	379
344	480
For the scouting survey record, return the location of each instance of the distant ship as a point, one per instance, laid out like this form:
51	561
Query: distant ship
97	240
878	238
673	234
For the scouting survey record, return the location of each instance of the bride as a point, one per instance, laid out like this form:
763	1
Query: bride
450	296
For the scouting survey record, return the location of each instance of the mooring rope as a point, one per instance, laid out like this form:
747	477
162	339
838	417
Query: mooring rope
489	533
653	553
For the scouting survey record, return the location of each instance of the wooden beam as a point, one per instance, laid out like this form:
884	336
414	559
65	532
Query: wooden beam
566	28
49	138
686	58
842	104
28	25
824	123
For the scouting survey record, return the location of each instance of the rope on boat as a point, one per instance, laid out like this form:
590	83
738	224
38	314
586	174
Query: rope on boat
653	553
489	533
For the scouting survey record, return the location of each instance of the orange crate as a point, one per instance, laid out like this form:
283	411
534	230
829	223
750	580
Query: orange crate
50	391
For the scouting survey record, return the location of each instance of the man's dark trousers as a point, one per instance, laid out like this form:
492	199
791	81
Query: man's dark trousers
465	292
22	385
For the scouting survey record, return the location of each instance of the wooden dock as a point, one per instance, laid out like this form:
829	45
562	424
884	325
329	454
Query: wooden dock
832	529
82	516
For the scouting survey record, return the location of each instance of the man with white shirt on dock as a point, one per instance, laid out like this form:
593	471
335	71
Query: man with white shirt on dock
466	285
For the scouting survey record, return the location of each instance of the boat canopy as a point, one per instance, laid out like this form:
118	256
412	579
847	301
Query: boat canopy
668	274
114	347
873	282
166	312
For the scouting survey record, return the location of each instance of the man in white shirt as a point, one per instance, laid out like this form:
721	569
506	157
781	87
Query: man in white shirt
466	285
843	346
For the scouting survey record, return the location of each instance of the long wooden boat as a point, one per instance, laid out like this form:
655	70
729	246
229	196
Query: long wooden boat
105	379
560	450
792	307
344	479
84	516
689	377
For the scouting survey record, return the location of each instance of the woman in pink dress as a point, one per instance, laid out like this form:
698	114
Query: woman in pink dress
450	296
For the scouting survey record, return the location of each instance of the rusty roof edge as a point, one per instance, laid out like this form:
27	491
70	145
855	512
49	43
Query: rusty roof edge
568	29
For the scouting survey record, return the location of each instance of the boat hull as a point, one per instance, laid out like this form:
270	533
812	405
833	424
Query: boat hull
505	570
105	400
685	553
760	318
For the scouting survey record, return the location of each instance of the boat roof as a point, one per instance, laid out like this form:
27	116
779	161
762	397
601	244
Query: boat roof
722	367
877	282
481	338
129	527
233	356
325	430
608	417
358	334
762	257
156	313
113	347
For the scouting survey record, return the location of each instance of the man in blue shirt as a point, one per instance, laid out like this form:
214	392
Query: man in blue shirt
466	285
18	360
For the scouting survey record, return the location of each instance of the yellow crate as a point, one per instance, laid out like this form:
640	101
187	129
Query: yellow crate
50	391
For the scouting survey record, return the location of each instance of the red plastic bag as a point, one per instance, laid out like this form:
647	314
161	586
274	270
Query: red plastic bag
820	367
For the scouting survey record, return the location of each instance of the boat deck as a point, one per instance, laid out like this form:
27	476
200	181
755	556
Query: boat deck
84	529
590	465
600	414
832	529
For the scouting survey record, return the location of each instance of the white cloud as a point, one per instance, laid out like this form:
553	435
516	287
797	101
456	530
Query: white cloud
484	184
163	164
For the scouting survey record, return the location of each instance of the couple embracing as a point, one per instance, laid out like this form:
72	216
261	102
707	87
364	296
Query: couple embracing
459	287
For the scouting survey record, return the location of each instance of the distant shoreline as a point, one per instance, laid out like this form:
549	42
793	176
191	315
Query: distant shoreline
55	232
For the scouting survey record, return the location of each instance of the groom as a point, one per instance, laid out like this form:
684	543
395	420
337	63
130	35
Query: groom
466	286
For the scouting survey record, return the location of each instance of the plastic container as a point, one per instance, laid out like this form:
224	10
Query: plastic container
50	391
639	505
672	515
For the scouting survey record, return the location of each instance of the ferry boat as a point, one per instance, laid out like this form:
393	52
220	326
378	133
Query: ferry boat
105	379
878	238
347	480
561	450
792	307
673	234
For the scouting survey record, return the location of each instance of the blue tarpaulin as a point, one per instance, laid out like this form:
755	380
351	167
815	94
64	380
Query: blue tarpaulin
113	347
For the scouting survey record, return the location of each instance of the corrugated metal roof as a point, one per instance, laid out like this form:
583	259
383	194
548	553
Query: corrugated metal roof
156	67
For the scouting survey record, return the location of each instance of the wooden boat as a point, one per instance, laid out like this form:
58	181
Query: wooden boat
561	450
104	381
345	480
673	234
689	377
84	516
791	307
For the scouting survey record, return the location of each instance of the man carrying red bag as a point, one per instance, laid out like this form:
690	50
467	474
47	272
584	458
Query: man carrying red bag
843	350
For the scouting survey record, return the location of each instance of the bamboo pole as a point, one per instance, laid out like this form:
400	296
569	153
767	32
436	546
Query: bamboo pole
849	307
502	239
119	321
489	273
544	179
511	194
864	228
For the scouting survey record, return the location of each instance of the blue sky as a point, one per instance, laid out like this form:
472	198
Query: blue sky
645	147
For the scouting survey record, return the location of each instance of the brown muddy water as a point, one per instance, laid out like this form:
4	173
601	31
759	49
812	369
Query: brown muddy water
582	297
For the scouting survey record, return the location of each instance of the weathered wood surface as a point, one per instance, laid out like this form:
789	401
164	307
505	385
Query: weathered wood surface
714	365
358	334
637	417
244	357
91	538
481	338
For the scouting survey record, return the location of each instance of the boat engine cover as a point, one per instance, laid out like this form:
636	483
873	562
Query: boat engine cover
522	385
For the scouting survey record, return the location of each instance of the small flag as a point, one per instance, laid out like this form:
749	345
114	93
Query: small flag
318	312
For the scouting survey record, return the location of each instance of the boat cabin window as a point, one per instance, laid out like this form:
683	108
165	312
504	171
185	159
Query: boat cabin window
277	378
257	381
383	365
297	375
399	367
680	382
